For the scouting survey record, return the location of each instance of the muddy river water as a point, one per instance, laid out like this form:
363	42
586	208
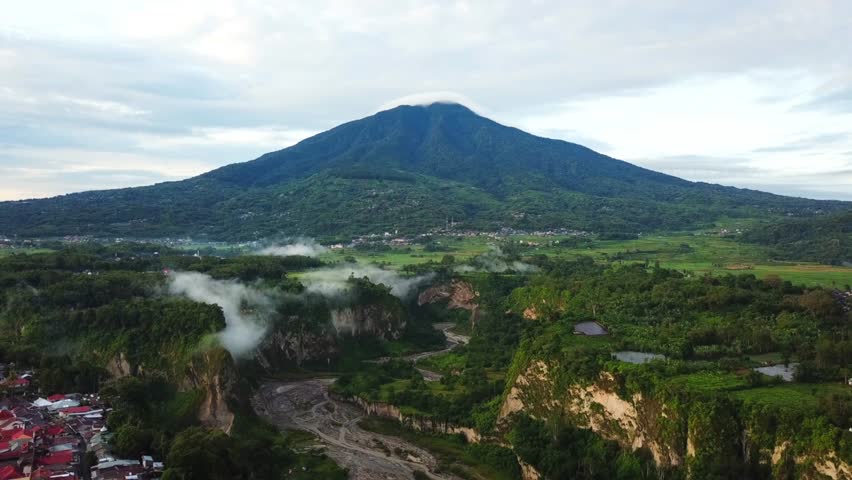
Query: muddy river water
307	405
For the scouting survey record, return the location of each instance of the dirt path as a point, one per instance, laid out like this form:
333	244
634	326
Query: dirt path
453	341
306	405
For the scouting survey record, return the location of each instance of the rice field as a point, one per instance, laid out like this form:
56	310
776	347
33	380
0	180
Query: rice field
696	253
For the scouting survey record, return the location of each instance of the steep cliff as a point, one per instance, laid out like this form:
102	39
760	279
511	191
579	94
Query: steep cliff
677	431
368	320
316	338
458	295
417	422
213	373
635	422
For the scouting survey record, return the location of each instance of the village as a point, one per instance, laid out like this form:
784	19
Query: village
58	436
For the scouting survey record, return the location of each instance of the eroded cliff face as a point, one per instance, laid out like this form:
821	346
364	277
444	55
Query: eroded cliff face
213	373
631	422
368	320
296	344
415	422
458	294
528	472
119	367
635	423
298	341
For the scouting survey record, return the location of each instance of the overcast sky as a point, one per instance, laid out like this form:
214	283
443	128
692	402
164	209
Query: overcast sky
105	94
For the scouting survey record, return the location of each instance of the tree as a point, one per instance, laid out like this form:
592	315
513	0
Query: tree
199	454
131	441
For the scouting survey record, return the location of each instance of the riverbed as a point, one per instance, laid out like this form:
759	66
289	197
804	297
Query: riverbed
307	405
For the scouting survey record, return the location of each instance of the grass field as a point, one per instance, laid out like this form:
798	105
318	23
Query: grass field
790	395
710	381
697	253
444	363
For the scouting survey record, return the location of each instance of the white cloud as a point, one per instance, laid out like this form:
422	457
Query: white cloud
428	98
306	247
333	281
100	106
27	172
267	137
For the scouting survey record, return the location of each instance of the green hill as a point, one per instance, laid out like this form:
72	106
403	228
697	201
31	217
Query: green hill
408	168
823	239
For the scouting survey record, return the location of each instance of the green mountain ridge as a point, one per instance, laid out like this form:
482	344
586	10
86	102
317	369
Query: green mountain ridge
407	168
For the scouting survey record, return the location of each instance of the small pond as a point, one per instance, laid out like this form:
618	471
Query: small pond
785	373
589	328
637	357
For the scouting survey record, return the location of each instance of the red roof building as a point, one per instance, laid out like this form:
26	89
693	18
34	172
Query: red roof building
9	472
18	383
57	458
11	451
47	474
4	414
11	424
56	397
22	435
75	410
8	434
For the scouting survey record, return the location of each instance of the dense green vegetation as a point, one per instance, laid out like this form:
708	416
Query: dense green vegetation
824	239
576	453
152	416
698	252
409	168
78	313
714	331
466	460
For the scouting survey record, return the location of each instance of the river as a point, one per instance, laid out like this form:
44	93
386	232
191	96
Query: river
307	405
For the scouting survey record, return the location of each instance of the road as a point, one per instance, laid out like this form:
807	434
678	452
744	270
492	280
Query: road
307	405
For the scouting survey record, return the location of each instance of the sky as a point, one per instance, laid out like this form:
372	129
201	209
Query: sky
106	94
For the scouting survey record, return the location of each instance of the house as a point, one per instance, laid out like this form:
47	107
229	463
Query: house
56	397
78	412
65	403
116	470
9	472
18	383
65	457
13	450
11	424
54	430
44	473
121	473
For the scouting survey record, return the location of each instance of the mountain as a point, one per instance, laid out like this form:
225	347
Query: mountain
407	168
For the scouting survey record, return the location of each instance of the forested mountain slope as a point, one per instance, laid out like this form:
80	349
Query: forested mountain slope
407	168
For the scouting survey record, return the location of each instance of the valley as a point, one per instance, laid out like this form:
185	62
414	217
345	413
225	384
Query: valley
307	405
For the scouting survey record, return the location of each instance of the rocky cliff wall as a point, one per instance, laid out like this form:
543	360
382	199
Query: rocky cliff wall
459	295
637	422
